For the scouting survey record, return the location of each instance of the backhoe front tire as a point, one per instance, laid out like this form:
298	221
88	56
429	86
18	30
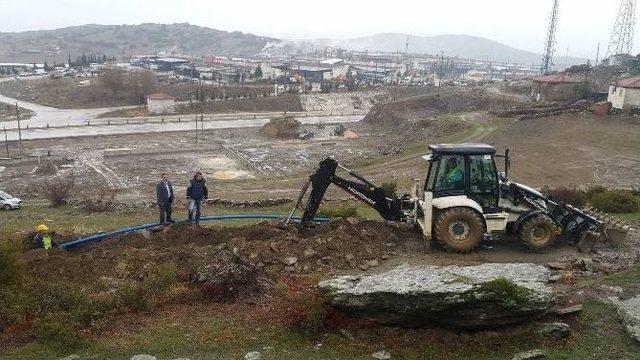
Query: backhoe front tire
539	232
459	230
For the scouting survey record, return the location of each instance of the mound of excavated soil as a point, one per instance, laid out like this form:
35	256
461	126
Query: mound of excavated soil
445	100
270	247
286	127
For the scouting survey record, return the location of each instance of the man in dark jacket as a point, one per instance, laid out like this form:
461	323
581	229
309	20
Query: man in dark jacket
164	192
196	192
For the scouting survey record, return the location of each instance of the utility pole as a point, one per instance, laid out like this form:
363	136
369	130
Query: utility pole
6	141
196	129
19	130
598	55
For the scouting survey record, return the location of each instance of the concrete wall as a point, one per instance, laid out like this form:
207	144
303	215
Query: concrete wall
160	106
624	98
616	96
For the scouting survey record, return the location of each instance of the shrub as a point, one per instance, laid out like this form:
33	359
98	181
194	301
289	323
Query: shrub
340	211
161	277
58	190
11	267
616	201
567	195
101	200
595	190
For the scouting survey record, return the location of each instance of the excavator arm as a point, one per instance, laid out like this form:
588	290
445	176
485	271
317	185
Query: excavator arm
361	188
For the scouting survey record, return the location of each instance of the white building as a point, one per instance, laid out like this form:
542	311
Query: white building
625	94
160	104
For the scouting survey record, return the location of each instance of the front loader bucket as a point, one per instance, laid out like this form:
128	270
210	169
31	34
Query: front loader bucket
614	230
587	227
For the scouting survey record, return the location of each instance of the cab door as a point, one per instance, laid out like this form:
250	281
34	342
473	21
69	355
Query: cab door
482	182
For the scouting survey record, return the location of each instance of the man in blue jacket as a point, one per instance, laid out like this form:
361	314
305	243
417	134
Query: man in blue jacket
164	193
196	192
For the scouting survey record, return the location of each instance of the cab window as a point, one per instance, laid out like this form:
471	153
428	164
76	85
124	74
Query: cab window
450	174
483	183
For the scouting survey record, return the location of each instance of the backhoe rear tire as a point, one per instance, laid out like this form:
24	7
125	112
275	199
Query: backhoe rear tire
459	230
539	232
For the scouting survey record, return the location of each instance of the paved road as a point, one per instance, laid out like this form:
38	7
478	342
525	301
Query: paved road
53	116
49	122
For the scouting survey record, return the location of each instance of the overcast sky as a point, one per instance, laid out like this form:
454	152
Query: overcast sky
519	23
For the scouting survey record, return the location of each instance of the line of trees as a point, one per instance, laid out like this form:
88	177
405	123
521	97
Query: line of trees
137	84
84	60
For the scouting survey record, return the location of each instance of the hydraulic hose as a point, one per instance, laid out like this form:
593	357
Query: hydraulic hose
101	236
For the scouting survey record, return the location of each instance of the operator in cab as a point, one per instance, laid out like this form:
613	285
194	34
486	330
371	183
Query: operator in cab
455	176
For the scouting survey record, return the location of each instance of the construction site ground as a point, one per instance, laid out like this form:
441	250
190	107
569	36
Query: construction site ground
242	164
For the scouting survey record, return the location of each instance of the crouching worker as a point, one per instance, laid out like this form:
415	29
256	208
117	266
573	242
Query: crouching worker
196	192
43	238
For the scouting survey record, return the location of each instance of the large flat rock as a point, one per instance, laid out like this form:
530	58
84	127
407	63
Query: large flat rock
488	295
629	312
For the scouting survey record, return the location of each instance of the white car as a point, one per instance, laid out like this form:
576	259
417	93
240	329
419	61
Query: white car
9	202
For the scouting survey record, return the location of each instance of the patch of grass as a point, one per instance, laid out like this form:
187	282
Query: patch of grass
628	216
602	336
508	291
338	211
625	279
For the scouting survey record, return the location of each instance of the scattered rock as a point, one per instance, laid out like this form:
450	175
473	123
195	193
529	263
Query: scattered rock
353	221
554	265
372	263
71	357
381	355
571	310
617	290
143	357
557	330
629	312
531	354
349	257
490	294
290	260
121	269
253	355
555	278
310	253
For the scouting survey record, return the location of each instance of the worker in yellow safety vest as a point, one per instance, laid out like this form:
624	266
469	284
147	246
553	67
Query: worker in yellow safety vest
43	239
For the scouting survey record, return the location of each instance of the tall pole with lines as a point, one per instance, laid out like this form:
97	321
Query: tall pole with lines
622	35
550	44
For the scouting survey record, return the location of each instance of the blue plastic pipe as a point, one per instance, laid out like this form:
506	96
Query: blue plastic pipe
101	236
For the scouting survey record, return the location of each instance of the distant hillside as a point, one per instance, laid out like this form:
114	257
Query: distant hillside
126	40
465	46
